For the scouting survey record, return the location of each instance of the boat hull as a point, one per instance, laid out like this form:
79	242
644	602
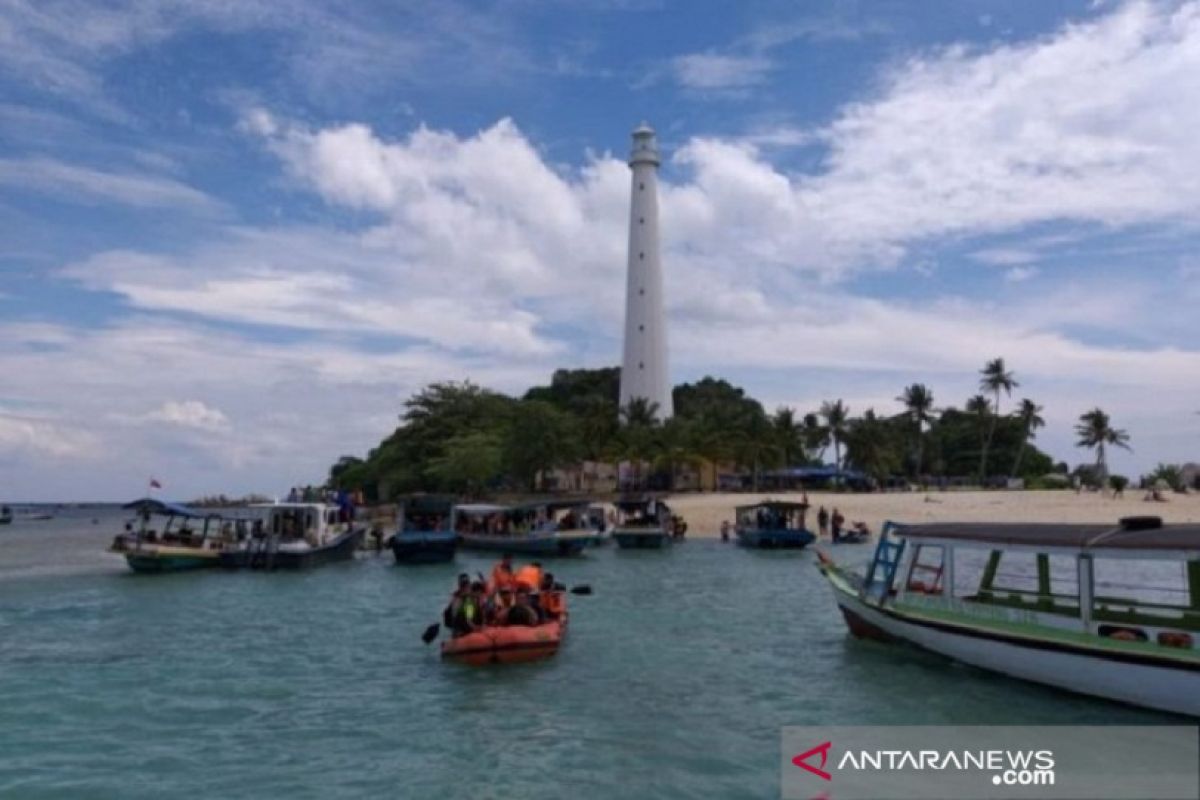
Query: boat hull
424	548
641	539
506	645
547	546
1174	689
154	563
340	549
775	539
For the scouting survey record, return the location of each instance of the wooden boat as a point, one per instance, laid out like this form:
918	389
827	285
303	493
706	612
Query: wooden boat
642	523
1076	607
188	539
511	644
296	536
424	534
520	530
773	525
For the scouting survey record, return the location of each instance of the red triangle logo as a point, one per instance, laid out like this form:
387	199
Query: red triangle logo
801	761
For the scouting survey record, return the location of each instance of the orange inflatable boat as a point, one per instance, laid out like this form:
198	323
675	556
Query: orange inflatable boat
511	644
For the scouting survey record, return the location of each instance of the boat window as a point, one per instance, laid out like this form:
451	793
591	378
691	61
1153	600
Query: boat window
925	570
1139	586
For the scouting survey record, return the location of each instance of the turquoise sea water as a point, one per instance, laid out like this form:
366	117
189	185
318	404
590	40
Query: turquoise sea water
675	679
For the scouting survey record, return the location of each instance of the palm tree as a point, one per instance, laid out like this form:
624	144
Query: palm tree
1029	414
995	378
638	438
815	437
1095	431
869	449
787	435
980	408
836	415
918	405
757	445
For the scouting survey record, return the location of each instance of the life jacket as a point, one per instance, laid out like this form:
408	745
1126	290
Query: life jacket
502	578
530	577
552	603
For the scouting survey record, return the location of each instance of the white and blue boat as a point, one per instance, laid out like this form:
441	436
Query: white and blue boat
642	523
424	533
521	530
774	524
169	537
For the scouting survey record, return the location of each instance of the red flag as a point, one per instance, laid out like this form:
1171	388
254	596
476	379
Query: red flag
154	484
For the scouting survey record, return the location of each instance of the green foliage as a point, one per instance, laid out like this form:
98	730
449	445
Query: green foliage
539	437
459	437
1118	483
467	463
1170	474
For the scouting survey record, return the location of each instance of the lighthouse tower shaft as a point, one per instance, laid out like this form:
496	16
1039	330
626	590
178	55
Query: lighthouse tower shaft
644	367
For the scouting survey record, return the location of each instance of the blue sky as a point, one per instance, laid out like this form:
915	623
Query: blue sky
235	236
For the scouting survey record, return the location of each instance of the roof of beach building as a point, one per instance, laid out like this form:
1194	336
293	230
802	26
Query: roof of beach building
1142	534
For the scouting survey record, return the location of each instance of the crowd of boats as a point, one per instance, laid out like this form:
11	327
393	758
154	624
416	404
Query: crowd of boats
1105	610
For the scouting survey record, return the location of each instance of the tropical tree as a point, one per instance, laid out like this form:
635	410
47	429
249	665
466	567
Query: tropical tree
918	406
995	378
639	438
1029	414
757	445
869	446
539	438
815	438
1096	432
836	416
468	462
980	408
788	435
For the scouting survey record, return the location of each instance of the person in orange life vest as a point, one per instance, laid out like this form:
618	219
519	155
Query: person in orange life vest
550	598
502	574
522	612
529	577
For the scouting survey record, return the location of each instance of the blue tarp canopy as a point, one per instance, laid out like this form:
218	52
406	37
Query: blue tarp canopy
814	473
149	504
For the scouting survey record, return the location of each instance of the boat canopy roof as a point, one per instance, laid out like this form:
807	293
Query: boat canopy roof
153	506
774	505
480	508
428	504
553	505
1143	534
634	502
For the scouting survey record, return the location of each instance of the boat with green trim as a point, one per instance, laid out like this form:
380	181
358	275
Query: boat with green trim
185	539
1102	610
773	524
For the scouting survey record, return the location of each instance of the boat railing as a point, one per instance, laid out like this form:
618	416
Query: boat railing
882	573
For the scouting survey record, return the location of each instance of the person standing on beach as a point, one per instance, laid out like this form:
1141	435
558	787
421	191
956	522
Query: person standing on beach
837	521
823	522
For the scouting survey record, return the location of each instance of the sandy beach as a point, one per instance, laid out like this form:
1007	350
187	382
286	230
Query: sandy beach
705	512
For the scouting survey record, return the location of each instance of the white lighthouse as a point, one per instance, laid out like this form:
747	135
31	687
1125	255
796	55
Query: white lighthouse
644	367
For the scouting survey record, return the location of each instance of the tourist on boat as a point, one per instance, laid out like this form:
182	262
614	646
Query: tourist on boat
502	574
550	598
522	612
823	522
837	521
529	577
456	597
469	617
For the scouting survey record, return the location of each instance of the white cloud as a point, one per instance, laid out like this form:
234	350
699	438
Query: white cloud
1020	274
35	437
1091	124
716	71
189	414
85	184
